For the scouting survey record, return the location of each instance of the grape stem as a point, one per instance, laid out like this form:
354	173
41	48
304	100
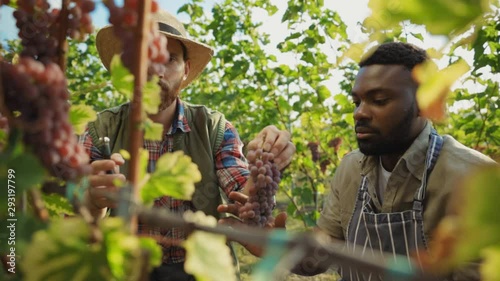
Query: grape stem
62	42
306	242
140	78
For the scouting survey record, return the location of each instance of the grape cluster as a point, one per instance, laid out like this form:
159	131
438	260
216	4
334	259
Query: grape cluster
39	26
124	21
79	22
266	177
38	92
313	147
34	20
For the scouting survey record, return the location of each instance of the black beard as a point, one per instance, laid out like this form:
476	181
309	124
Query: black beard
398	142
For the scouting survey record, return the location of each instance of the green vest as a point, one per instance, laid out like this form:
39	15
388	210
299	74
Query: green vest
201	143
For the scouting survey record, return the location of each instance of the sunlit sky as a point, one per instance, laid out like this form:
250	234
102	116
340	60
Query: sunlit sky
352	13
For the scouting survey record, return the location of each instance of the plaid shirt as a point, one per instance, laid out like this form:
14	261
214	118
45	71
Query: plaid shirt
231	169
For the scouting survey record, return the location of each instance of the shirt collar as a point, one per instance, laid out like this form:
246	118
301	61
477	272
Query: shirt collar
413	158
180	120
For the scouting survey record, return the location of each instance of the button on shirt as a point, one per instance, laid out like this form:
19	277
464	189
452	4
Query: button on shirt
231	169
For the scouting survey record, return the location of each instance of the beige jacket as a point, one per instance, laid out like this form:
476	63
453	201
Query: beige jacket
454	161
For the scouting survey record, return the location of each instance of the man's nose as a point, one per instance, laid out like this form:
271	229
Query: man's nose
362	112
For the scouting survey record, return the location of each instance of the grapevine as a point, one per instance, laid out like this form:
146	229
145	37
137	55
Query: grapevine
39	93
124	21
266	178
39	26
37	87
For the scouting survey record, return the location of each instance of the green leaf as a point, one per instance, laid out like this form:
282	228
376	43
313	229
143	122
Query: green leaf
121	249
121	78
79	116
418	36
151	96
175	176
62	252
3	139
26	172
489	266
152	131
439	16
12	4
478	221
26	225
143	166
57	205
208	257
155	252
435	86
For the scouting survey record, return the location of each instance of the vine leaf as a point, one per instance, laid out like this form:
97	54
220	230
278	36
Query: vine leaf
175	176
3	139
489	268
57	205
435	86
152	131
143	166
123	82
478	209
63	252
474	226
207	255
439	16
27	171
79	116
123	250
151	96
121	78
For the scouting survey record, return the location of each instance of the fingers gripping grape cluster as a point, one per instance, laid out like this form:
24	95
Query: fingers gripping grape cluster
38	92
39	26
266	178
124	21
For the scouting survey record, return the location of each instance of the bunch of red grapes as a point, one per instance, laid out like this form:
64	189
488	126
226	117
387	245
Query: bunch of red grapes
124	21
40	26
38	92
266	177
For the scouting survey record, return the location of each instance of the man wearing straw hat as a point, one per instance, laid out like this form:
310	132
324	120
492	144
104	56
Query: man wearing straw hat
203	134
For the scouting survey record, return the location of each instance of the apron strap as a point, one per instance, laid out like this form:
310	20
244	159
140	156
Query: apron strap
435	145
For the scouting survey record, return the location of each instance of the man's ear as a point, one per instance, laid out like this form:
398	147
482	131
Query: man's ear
187	68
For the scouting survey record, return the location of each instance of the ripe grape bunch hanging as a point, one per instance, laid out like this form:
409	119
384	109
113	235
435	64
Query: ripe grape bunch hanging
37	93
124	20
266	178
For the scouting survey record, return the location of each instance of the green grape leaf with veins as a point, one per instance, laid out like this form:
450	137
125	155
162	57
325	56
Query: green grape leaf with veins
64	252
175	176
207	255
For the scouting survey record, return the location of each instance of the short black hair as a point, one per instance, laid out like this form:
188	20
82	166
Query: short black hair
396	53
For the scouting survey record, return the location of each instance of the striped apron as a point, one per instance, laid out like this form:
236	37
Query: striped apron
397	233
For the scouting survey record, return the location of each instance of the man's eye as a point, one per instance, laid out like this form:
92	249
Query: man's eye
356	103
381	101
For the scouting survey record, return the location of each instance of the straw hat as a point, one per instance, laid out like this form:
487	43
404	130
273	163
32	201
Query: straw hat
198	53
